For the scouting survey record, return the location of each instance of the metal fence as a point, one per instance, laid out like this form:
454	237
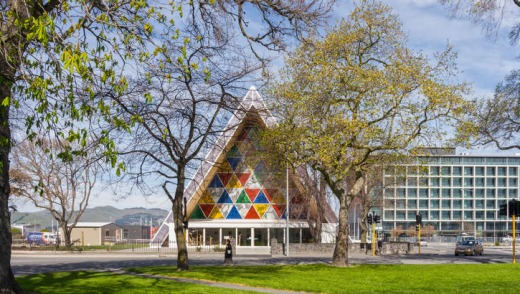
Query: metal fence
126	246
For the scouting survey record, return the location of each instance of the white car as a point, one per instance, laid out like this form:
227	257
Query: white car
424	243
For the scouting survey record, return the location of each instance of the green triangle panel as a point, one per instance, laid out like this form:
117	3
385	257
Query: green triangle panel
243	198
234	152
234	194
197	213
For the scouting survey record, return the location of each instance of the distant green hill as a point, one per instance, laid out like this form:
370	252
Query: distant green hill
128	216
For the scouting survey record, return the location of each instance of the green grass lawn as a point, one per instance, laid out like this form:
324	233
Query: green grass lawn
459	278
99	282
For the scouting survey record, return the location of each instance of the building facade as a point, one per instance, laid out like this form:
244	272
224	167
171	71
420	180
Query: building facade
453	193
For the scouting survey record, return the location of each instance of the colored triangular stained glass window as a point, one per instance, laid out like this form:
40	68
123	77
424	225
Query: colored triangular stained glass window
295	211
224	167
253	182
243	198
233	162
216	193
234	183
224	198
234	214
225	209
243	136
233	194
279	209
243	177
197	213
283	215
207	208
270	214
270	194
261	209
252	214
296	200
234	152
243	209
224	177
242	167
245	147
206	198
278	198
216	214
216	183
261	198
252	193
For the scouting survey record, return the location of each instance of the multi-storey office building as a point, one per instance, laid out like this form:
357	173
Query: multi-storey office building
453	193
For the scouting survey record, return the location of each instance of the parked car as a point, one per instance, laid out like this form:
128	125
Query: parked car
424	243
469	247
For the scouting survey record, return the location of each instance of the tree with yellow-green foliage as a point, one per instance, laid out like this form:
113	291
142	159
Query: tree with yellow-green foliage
359	97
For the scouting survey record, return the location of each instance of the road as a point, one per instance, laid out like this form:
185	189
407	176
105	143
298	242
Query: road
25	263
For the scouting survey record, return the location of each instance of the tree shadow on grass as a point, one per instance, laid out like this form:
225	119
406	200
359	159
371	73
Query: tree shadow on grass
104	282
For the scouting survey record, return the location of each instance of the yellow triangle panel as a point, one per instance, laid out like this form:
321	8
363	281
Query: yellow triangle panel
215	213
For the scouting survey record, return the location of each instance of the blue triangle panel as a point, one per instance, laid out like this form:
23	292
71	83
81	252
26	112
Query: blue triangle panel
224	198
283	215
216	183
234	214
261	198
233	162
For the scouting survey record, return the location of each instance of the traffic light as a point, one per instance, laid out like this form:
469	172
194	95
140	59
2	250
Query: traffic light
369	218
514	208
418	219
377	218
503	209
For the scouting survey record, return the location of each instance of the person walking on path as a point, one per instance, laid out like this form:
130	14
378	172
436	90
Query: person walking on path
228	254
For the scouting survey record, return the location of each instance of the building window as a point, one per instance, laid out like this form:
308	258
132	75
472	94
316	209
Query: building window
490	171
457	171
490	193
446	182
457	182
445	215
513	182
457	215
479	182
490	182
434	182
434	215
434	193
479	170
502	182
513	193
502	193
502	171
468	204
490	204
434	170
479	204
434	203
468	170
412	204
480	193
446	204
468	182
107	233
512	171
468	215
423	193
446	171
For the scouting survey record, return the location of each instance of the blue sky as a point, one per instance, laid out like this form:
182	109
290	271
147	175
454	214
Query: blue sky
483	62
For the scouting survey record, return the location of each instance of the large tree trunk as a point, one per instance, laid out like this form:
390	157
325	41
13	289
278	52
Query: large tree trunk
340	257
7	281
180	231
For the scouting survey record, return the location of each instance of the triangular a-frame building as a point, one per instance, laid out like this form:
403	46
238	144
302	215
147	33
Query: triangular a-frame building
237	193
